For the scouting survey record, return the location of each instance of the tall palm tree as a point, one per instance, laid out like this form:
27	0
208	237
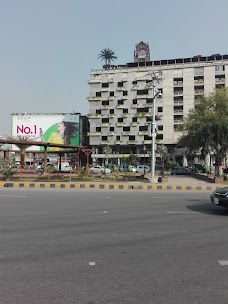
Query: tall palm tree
25	140
107	55
106	150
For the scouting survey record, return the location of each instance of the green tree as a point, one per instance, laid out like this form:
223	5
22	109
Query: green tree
22	144
106	150
107	55
133	159
206	126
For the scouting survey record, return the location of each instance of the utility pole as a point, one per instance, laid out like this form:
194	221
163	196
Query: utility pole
155	92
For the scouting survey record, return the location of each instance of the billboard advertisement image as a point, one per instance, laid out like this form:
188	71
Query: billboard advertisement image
52	128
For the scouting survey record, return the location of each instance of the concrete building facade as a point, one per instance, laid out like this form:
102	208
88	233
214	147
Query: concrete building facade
121	101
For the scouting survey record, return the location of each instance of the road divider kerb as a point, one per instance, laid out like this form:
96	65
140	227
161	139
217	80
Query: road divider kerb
105	186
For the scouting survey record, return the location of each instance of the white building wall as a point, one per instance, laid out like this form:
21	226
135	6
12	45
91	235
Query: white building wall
167	103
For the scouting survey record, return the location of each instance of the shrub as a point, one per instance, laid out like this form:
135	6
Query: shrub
7	173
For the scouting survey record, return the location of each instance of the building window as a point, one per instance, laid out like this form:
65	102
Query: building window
134	82
178	99
104	137
105	120
105	85
120	102
159	136
143	128
134	101
199	89
220	78
219	68
98	129
198	79
111	111
98	111
198	70
105	102
111	129
124	93
126	129
142	92
111	93
178	81
149	100
117	137
98	94
219	86
131	137
125	110
147	137
134	119
120	84
160	128
120	119
160	109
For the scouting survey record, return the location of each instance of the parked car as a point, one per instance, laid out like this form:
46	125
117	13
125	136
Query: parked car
40	168
99	170
225	170
132	169
140	169
180	171
67	169
220	197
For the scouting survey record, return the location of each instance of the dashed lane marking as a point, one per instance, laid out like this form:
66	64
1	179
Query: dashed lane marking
223	263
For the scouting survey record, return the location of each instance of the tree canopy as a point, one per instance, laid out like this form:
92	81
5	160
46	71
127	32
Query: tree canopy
206	126
107	55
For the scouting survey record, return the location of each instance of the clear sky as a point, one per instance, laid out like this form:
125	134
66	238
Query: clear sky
48	47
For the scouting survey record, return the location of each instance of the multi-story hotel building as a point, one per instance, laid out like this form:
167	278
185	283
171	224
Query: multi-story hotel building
121	99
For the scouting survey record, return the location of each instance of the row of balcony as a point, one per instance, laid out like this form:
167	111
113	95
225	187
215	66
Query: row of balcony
124	115
124	133
98	98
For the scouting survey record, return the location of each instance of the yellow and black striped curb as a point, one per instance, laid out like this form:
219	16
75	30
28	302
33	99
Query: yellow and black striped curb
114	186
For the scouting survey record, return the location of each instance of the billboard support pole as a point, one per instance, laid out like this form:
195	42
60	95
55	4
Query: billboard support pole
45	159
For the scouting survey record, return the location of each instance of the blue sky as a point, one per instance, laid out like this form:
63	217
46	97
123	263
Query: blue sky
48	47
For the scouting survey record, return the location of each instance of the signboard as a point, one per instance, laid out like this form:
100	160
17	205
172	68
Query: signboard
53	128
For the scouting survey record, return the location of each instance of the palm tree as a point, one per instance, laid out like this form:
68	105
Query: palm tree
25	140
107	55
106	150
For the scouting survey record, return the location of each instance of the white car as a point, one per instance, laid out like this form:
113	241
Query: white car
99	170
67	169
132	169
141	169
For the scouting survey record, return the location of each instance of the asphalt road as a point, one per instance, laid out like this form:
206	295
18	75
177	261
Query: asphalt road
112	247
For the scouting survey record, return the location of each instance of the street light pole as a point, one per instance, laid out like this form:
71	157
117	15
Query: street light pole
144	150
153	179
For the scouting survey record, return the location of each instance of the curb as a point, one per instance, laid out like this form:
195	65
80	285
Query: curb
105	186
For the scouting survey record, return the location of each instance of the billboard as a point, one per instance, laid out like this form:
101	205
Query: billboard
63	128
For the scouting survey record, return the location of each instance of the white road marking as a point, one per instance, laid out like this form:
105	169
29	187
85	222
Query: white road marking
223	263
12	195
180	212
105	212
92	263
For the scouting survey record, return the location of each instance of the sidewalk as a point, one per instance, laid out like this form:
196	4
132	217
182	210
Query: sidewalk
174	183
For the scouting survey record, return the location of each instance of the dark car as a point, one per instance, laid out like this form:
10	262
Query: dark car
180	171
220	197
225	170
